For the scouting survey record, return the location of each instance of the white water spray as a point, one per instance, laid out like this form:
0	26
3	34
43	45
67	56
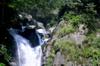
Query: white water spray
26	55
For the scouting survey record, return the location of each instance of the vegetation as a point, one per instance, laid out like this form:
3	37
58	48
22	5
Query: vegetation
73	13
50	59
89	53
1	64
65	29
4	52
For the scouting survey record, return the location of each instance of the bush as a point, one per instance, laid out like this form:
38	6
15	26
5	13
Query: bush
72	18
89	53
65	29
84	18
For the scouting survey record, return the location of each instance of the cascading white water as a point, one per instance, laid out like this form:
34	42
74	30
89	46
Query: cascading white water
26	55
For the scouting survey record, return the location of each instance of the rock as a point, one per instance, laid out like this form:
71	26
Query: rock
59	59
69	63
13	64
52	29
40	25
82	29
77	38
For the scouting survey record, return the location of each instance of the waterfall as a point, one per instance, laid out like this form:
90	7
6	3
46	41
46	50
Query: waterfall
26	54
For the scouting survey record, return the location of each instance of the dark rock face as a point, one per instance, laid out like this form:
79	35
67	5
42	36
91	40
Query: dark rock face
31	35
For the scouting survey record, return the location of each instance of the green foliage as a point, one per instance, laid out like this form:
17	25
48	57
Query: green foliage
4	52
50	58
25	4
90	8
72	18
65	30
89	52
88	19
45	7
1	64
96	42
78	12
28	5
52	22
68	48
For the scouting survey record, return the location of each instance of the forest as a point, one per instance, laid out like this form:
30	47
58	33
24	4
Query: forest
74	27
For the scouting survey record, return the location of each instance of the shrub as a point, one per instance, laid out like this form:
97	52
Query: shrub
65	29
72	18
88	54
85	18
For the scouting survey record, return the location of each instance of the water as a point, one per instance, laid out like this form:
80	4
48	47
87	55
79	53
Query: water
27	55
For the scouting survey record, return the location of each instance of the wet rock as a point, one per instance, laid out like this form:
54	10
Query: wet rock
13	64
